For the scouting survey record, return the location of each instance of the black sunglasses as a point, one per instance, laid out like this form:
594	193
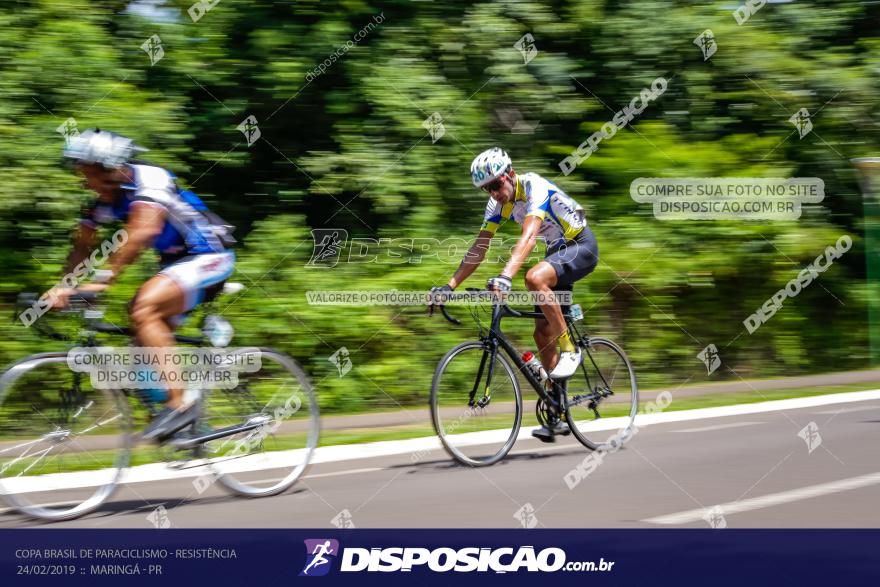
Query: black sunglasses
495	185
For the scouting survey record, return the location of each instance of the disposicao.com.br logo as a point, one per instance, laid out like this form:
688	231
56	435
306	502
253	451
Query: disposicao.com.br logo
442	560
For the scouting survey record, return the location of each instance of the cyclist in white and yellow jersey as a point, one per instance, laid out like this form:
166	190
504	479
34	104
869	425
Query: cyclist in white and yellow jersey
546	212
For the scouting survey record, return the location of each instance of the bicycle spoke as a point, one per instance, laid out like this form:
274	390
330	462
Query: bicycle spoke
101	424
21	445
42	454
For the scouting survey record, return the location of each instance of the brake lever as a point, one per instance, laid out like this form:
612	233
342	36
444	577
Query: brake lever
448	317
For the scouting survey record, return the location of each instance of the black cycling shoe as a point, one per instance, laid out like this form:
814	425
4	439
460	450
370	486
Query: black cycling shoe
168	421
545	434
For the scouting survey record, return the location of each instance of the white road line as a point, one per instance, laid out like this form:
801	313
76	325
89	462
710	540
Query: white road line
414	447
718	427
771	499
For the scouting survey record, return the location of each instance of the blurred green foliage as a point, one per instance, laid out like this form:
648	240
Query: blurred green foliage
347	148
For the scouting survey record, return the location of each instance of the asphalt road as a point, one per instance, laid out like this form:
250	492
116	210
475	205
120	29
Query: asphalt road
755	467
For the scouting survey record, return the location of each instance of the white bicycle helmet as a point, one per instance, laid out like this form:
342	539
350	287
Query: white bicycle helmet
489	166
100	146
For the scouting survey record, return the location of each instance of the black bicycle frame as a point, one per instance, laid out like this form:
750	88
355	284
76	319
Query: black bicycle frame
496	338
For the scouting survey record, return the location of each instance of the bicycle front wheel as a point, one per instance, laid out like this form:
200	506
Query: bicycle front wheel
278	406
476	404
63	443
605	386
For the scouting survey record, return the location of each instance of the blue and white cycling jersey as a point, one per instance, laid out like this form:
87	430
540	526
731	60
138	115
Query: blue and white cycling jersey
563	218
186	232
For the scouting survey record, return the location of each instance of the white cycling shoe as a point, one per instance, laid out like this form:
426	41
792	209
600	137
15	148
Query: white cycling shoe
567	365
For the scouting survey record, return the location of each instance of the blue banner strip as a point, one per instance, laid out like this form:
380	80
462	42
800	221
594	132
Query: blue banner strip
268	558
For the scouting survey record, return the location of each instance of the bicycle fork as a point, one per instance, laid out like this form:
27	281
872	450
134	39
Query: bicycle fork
482	402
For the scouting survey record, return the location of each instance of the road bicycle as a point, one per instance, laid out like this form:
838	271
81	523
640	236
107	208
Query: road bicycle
476	402
65	444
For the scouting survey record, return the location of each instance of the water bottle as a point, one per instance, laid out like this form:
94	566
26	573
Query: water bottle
217	330
534	366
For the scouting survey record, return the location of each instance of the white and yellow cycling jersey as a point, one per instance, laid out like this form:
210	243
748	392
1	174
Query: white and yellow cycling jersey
563	218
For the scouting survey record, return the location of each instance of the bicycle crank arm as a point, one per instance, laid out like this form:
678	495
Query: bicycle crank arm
191	442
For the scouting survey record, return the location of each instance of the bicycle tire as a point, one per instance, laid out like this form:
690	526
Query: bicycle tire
629	393
301	456
15	492
437	411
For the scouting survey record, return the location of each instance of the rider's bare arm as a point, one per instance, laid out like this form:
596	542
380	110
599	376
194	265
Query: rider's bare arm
83	242
472	258
144	224
524	245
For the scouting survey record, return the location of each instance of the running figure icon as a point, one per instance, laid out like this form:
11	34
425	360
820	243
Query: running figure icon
318	551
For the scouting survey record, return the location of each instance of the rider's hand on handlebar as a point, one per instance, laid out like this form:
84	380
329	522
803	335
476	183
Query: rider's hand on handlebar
438	291
435	294
501	284
61	295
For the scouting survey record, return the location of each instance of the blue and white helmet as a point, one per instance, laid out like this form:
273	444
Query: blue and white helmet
489	166
100	146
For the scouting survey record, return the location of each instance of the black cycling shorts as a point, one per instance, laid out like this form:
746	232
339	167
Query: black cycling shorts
573	260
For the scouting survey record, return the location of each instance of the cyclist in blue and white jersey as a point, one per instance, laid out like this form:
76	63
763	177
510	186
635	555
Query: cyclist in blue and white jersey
194	260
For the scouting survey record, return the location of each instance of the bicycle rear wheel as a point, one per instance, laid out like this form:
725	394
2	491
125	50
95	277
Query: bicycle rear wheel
476	404
605	386
63	444
280	404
